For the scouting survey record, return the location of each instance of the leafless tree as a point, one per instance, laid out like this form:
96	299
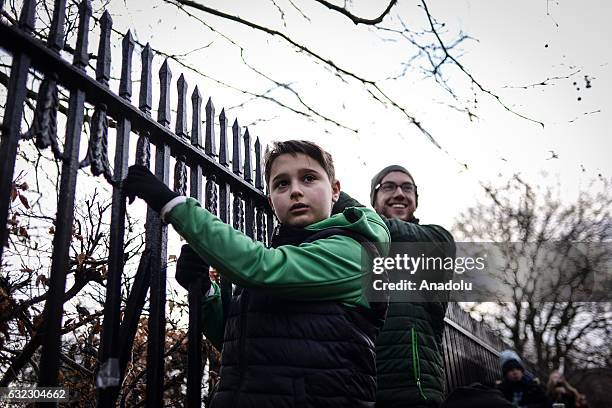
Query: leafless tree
546	316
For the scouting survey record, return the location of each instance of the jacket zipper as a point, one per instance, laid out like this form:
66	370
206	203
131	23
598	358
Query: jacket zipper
416	363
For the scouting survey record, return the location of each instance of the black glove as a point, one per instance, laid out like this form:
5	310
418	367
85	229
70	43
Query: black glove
190	267
344	201
142	183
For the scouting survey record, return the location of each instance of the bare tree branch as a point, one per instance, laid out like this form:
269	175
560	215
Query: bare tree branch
295	94
462	68
355	19
544	82
371	86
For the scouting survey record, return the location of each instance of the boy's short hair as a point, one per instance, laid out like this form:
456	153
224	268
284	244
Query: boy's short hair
293	147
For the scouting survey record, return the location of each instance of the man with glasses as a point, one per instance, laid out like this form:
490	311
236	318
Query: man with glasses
409	361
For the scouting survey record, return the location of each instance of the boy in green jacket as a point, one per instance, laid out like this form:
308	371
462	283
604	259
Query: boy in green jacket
301	332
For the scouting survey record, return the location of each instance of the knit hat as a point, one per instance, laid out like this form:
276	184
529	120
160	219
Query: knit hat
381	175
476	396
509	360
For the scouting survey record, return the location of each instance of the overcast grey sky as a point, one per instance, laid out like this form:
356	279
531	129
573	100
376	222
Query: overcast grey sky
515	45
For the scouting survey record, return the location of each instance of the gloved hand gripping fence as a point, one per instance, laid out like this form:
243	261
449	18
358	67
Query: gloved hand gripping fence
142	183
189	267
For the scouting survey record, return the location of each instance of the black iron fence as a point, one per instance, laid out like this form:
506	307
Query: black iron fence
233	190
471	350
235	194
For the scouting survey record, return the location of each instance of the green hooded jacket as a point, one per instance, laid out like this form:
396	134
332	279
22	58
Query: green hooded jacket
323	270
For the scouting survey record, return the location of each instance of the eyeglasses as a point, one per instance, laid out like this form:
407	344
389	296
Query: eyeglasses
390	187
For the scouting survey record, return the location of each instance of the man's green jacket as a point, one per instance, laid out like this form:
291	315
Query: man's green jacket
409	359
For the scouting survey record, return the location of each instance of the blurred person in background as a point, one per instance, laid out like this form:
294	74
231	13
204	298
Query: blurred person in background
559	390
518	385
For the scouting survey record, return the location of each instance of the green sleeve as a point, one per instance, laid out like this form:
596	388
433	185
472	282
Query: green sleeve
212	317
326	269
403	231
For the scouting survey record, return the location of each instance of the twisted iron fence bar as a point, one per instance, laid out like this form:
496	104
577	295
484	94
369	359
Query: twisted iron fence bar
109	341
194	339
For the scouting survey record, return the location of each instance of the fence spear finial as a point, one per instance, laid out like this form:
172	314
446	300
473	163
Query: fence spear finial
55	40
223	145
196	118
236	148
209	139
103	62
181	107
145	99
81	57
248	170
163	112
125	84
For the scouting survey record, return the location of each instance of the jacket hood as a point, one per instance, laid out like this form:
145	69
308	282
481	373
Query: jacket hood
362	220
508	355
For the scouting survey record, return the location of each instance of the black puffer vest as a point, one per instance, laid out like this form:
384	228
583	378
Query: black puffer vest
281	353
